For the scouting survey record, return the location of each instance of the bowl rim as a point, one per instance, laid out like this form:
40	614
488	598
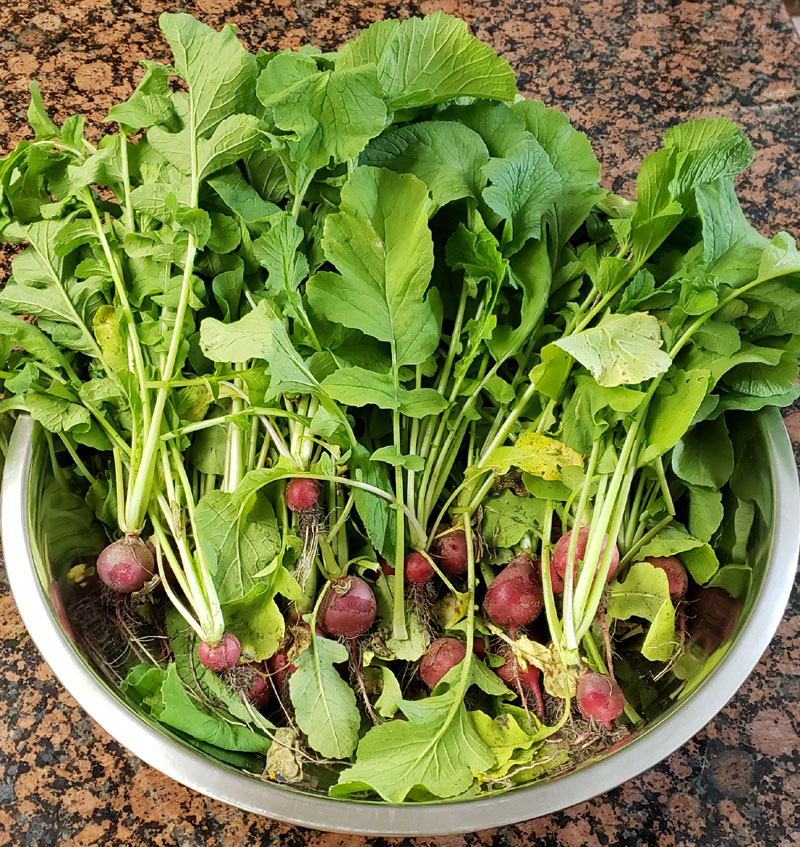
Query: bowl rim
196	771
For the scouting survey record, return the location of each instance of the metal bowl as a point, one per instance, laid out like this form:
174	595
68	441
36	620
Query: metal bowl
32	569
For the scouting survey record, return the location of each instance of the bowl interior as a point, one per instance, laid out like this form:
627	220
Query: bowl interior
58	531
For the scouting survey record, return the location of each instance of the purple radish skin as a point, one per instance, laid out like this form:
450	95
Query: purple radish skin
600	698
442	655
418	570
558	564
450	550
126	565
221	657
676	574
348	608
515	597
302	494
513	676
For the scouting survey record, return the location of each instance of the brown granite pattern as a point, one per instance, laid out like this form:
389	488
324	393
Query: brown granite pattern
624	71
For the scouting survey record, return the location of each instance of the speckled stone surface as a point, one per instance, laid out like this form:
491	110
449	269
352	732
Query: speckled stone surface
624	71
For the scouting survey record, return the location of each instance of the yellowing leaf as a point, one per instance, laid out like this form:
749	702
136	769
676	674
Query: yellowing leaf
558	680
283	758
535	454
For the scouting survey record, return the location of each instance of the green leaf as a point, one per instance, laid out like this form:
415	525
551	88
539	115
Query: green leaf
704	456
523	187
375	512
220	73
705	512
672	410
706	149
256	621
424	61
240	196
325	705
382	247
38	118
172	706
437	750
389	454
242	538
448	157
701	562
508	518
645	594
361	387
333	113
503	735
724	223
56	414
620	350
391	694
149	104
31	339
671	540
277	252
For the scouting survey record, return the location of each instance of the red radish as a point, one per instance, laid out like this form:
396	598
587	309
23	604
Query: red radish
714	615
515	596
280	668
126	565
386	568
418	570
57	602
558	564
443	655
450	549
479	647
522	680
222	656
348	609
302	494
600	698
258	688
676	574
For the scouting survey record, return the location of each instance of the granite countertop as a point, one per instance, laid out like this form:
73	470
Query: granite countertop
624	72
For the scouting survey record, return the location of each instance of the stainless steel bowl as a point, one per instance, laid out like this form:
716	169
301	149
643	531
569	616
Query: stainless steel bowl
24	523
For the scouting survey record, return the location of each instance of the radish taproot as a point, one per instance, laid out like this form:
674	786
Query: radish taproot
522	681
221	656
348	608
676	574
126	565
442	655
515	597
558	564
600	698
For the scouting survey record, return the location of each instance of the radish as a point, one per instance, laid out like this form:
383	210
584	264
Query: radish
515	597
418	570
558	564
257	690
600	698
302	494
479	647
222	656
442	655
280	668
714	615
450	548
386	569
348	609
126	565
676	574
523	681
